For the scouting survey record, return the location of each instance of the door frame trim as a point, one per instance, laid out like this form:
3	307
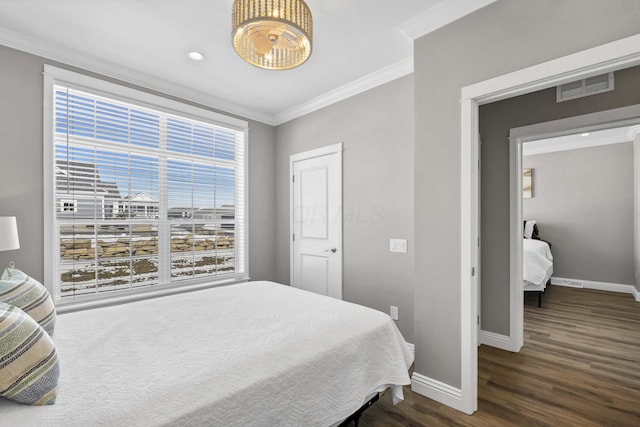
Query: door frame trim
336	149
607	57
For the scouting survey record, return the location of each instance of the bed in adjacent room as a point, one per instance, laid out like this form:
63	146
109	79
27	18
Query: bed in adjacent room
251	354
537	261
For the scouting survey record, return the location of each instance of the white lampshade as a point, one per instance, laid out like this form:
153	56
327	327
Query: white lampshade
8	233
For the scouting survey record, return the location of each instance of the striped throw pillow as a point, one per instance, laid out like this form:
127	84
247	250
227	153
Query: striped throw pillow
29	367
17	288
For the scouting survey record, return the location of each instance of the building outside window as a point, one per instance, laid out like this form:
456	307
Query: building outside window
68	205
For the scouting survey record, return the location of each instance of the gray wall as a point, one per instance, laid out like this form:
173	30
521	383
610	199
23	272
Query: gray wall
583	204
21	159
502	37
496	119
376	128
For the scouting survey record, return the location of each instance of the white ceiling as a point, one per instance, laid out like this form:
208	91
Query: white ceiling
357	44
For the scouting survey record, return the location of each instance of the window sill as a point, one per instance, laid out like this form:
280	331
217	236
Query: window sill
68	307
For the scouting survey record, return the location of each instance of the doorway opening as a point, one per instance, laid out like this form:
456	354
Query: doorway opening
612	126
613	56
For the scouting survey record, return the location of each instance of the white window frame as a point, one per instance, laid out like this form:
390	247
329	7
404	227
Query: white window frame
54	75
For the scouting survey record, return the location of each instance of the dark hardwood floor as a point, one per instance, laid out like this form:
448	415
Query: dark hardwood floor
580	366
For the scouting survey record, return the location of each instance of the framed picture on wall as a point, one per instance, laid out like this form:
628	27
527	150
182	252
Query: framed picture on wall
527	183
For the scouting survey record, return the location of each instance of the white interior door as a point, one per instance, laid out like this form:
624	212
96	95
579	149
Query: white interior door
316	220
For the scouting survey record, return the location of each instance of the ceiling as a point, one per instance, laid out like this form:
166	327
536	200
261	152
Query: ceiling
357	44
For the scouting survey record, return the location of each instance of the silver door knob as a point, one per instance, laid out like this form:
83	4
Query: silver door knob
333	250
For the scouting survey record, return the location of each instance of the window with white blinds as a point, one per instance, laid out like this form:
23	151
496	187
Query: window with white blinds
144	197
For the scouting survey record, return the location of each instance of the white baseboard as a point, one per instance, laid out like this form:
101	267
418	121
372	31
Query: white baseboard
599	286
569	283
437	390
412	347
503	342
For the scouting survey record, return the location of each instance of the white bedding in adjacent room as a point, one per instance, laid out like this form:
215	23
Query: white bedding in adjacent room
537	264
252	354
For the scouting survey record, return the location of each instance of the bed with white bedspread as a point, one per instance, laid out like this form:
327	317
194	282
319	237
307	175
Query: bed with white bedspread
537	266
251	354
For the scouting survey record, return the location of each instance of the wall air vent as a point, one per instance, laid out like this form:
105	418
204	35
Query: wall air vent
585	87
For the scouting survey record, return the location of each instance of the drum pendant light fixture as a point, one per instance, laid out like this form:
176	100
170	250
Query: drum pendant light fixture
272	34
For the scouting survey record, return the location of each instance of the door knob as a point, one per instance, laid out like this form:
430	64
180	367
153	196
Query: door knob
333	250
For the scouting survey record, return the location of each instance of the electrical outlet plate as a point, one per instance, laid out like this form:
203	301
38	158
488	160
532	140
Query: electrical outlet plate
398	245
393	312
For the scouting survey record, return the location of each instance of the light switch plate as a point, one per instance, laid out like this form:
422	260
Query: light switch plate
398	245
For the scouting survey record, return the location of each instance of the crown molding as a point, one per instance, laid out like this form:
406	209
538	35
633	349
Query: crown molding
530	148
440	15
82	61
436	17
430	20
77	59
370	81
633	132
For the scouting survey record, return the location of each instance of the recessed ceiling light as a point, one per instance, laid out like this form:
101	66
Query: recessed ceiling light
585	134
195	55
